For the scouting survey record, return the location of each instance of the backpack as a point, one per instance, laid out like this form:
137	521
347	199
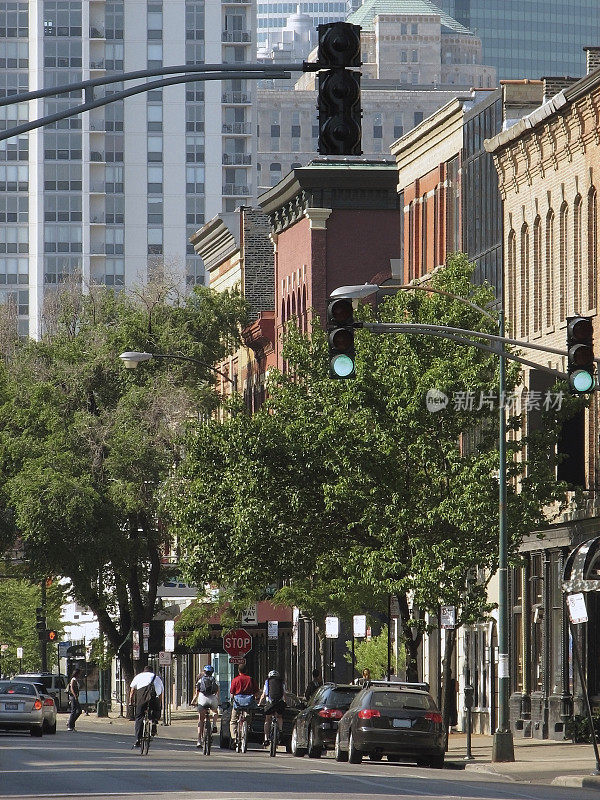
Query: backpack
208	685
275	689
147	693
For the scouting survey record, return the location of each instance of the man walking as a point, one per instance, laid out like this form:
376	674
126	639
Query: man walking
73	692
313	685
147	690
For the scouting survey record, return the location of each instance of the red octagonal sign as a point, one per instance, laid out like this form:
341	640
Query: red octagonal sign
237	643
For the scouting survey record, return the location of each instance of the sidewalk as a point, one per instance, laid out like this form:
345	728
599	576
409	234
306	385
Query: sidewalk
559	763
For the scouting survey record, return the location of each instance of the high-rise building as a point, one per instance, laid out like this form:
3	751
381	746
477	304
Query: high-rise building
116	192
533	39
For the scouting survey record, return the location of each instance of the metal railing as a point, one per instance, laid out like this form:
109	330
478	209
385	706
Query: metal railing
237	127
236	36
236	189
237	158
235	97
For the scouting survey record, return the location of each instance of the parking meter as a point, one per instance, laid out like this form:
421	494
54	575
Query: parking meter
469	694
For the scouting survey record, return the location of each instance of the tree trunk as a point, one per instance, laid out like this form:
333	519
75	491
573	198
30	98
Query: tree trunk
448	683
321	639
412	640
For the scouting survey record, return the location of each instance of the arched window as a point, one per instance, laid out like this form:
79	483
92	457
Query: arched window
510	287
563	257
537	275
524	276
424	235
411	241
275	173
549	276
592	248
577	259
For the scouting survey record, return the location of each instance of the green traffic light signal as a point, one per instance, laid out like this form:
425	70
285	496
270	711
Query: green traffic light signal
580	347
340	329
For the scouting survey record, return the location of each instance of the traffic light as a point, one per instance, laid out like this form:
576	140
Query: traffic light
339	89
580	346
40	622
340	333
51	636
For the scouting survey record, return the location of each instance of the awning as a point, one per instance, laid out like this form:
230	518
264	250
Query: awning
582	568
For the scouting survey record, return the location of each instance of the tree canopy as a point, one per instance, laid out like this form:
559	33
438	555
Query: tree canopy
85	445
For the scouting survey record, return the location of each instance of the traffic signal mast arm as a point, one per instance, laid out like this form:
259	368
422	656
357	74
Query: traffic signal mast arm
445	332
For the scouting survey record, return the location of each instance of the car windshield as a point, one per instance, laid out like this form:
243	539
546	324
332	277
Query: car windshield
18	688
341	698
406	700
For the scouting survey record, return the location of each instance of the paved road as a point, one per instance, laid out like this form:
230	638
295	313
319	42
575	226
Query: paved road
103	766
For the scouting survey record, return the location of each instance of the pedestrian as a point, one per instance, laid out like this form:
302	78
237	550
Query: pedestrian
313	685
73	693
365	679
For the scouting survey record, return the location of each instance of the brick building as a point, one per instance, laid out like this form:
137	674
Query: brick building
549	176
334	222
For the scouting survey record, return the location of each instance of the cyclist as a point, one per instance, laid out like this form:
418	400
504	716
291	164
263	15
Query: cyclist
243	691
140	691
274	692
207	696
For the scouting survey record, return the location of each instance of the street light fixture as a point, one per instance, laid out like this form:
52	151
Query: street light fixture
132	358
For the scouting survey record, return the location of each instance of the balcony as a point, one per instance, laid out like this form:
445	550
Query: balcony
230	189
97	187
235	98
236	36
97	126
236	2
98	219
97	33
96	65
237	127
97	248
237	158
97	157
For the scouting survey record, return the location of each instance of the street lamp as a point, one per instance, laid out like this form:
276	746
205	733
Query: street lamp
132	358
502	748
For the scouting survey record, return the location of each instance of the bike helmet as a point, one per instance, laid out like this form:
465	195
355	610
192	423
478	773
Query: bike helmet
273	674
208	669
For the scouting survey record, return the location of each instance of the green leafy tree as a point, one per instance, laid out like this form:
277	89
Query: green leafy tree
85	445
358	482
372	654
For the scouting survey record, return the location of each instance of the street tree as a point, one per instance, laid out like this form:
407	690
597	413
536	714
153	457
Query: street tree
359	481
85	445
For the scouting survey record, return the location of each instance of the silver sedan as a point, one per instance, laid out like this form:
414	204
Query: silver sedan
22	707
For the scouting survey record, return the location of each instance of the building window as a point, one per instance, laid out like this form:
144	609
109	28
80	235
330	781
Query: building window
537	275
592	248
417	117
517	638
549	276
524	288
577	260
563	257
411	241
536	597
510	288
275	173
424	234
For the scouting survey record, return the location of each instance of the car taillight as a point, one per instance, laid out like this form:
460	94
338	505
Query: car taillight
331	713
37	705
48	701
434	716
368	713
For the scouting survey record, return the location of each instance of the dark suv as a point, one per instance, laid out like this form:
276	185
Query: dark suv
316	726
394	720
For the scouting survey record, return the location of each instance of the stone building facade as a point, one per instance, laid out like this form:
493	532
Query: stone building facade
549	177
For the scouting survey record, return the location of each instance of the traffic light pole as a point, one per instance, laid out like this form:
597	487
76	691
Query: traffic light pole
43	642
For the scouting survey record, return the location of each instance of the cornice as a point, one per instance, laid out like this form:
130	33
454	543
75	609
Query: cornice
215	242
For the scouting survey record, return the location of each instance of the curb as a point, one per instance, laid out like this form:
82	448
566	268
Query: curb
577	781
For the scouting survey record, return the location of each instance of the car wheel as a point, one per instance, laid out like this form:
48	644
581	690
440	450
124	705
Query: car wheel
51	728
340	755
313	750
393	759
36	730
296	751
436	762
376	756
354	755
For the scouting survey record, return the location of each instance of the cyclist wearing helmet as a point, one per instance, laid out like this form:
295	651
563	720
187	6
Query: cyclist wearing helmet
207	697
274	693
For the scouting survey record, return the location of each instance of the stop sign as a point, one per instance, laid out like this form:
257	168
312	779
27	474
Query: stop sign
237	643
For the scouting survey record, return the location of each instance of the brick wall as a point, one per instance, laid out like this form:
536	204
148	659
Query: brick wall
258	260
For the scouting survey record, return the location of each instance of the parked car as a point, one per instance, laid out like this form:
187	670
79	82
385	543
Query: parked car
55	684
49	708
393	720
316	725
21	707
257	724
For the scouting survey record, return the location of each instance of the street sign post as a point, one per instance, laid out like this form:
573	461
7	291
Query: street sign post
359	622
237	643
164	658
332	627
272	629
577	609
448	617
250	615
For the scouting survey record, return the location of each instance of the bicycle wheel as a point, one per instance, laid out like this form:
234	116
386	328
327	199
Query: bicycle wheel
207	738
244	735
146	736
274	738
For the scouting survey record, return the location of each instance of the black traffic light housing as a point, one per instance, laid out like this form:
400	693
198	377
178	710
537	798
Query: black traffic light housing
340	335
580	347
40	622
339	89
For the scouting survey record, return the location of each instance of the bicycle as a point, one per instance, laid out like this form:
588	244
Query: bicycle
146	736
273	736
207	734
243	725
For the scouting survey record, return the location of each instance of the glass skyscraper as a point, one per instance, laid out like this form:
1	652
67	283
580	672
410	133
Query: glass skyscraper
531	38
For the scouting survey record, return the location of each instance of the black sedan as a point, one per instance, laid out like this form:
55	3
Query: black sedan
316	725
401	723
257	724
